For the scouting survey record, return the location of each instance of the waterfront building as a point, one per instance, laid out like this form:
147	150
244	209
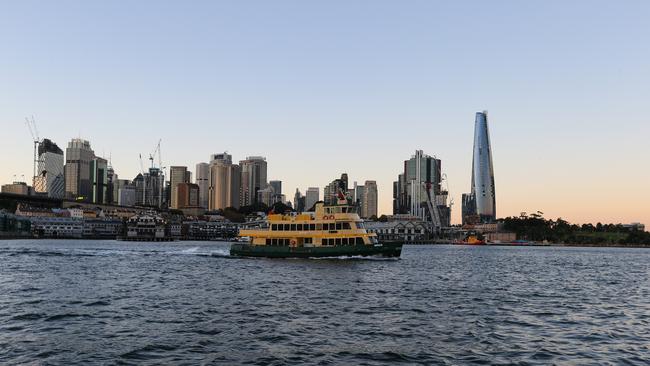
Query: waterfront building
99	180
399	230
77	170
202	176
50	179
312	195
177	175
225	183
17	188
57	227
479	206
253	178
13	225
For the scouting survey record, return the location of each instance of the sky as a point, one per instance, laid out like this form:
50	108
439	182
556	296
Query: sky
321	88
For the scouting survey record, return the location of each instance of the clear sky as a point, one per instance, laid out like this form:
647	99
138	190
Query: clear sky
322	88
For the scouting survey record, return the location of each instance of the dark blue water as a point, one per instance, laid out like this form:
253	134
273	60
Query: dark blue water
107	302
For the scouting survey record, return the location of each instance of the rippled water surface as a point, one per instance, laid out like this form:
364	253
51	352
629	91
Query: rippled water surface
106	302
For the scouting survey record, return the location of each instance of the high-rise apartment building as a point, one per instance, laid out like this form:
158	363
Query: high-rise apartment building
253	178
202	176
177	175
225	183
77	170
312	195
50	179
479	206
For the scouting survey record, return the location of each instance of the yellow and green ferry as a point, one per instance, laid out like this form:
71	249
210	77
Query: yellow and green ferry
330	231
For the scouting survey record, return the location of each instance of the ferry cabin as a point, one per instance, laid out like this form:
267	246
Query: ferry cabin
328	226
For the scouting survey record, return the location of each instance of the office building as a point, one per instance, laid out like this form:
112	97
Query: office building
50	180
187	195
177	175
126	194
312	195
479	206
99	180
368	198
332	190
77	170
253	178
299	201
202	176
225	183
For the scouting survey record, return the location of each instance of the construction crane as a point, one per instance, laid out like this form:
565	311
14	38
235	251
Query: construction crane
436	223
31	125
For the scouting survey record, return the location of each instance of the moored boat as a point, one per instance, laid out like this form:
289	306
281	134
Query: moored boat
330	231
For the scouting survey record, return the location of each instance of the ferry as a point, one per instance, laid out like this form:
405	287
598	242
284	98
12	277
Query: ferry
330	231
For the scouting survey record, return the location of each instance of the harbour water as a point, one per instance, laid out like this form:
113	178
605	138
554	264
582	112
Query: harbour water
107	302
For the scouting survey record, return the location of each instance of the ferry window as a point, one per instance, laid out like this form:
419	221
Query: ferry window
329	241
293	227
287	227
286	242
346	226
268	241
359	241
299	227
360	225
327	210
312	227
274	241
338	226
344	210
274	227
319	227
279	227
338	241
326	226
307	241
344	241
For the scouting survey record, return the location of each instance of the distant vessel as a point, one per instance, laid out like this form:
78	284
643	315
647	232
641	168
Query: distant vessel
332	231
471	240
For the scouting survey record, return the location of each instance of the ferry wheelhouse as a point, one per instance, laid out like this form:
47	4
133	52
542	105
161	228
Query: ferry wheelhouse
330	231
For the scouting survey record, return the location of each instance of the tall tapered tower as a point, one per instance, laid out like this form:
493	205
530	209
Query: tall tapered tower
480	204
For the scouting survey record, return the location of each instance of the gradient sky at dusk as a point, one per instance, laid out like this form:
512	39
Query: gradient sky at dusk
322	88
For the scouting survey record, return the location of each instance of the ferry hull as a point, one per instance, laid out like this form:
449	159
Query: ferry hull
266	251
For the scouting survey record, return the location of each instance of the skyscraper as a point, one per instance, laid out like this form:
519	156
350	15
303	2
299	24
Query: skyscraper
480	204
202	175
331	191
253	178
225	182
99	180
177	175
77	170
50	178
369	196
312	195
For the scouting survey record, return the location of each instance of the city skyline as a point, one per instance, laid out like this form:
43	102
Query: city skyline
567	105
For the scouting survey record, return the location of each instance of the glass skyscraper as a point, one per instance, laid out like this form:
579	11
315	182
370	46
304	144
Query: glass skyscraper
479	206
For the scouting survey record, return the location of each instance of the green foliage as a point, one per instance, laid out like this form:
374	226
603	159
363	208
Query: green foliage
534	227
